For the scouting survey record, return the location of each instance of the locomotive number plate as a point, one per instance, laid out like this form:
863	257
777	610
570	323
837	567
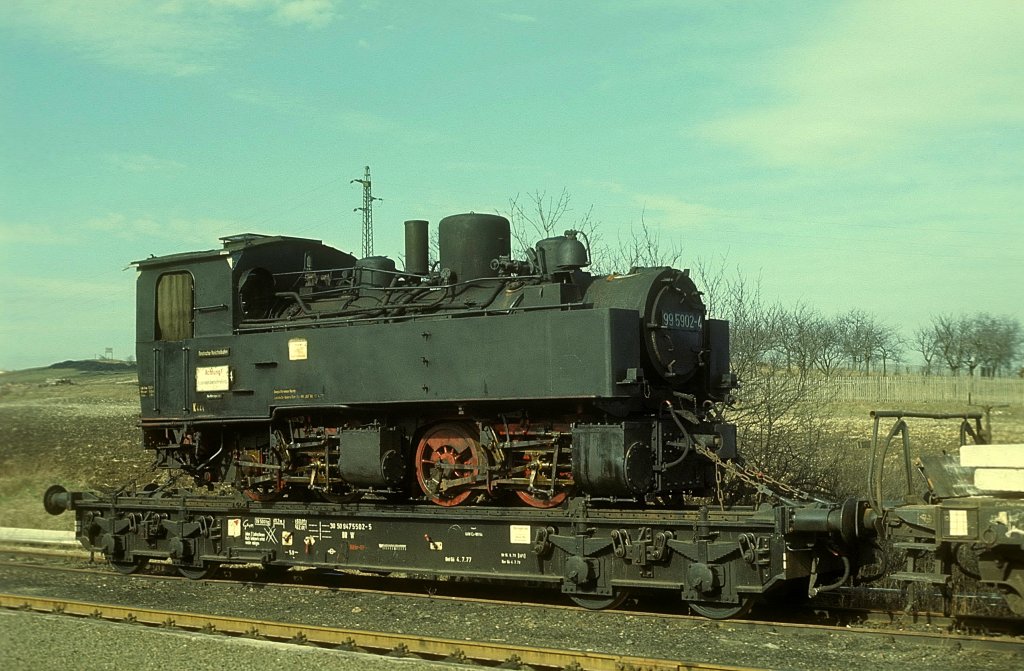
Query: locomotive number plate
683	321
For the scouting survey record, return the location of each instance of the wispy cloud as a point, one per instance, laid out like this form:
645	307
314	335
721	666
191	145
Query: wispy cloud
151	37
518	18
673	212
146	233
311	13
141	162
173	37
16	234
344	118
120	226
662	209
885	74
185	233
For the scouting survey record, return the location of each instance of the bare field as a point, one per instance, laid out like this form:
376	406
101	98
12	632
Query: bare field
84	435
80	435
852	425
853	419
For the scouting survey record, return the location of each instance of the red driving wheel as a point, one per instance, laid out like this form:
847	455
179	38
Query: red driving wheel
448	452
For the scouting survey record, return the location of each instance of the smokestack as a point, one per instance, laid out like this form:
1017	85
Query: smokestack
416	247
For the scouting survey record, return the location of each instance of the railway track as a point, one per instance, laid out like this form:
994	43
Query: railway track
923	628
815	613
439	649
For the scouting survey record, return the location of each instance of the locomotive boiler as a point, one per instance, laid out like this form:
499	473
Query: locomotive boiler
288	368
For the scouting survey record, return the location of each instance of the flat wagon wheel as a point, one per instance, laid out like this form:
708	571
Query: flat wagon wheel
128	567
448	452
1013	591
600	602
202	572
722	611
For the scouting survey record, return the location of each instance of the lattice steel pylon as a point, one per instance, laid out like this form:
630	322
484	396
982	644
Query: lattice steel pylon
367	210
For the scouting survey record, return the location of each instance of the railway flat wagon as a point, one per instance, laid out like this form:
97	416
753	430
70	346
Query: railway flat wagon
719	562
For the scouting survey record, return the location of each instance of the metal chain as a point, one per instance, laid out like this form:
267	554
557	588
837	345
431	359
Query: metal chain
761	482
719	473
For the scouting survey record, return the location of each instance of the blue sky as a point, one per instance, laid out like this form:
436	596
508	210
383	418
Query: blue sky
852	155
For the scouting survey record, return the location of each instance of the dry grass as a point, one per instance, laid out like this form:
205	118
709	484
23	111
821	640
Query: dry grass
851	426
81	435
853	420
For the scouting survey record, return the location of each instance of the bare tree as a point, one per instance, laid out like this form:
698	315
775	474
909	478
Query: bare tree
859	339
801	337
536	216
865	340
829	353
951	342
753	336
926	344
710	276
777	409
890	347
994	342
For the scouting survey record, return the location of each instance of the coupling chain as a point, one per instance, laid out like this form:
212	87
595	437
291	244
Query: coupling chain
760	481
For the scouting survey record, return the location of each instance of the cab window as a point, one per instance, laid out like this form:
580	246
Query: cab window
174	302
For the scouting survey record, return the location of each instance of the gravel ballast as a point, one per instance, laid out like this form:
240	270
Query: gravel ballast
535	625
32	641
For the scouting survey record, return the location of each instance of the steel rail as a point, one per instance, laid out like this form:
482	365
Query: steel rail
357	640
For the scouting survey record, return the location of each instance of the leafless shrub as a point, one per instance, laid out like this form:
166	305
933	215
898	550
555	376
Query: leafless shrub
641	247
537	215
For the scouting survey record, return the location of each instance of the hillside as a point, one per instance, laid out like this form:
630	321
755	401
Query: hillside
70	370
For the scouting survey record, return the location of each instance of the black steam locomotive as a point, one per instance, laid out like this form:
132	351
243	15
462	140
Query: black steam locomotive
356	406
292	369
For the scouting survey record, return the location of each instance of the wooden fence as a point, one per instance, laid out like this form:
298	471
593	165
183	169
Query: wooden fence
915	388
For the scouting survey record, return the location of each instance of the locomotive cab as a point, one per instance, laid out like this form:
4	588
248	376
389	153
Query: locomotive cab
187	305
